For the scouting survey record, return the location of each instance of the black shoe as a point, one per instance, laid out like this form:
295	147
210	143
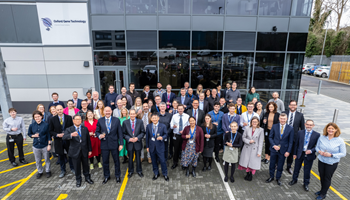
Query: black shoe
166	178
125	160
204	169
48	174
209	167
140	174
217	159
306	188
247	176
105	180
317	193
183	168
292	182
174	166
320	197
14	164
23	162
289	170
269	180
232	179
250	176
225	179
266	161
78	183
170	157
155	177
130	175
187	172
39	175
88	180
194	172
57	163
263	160
278	182
118	180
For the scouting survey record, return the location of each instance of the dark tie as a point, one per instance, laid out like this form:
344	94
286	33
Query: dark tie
195	115
133	127
291	120
180	123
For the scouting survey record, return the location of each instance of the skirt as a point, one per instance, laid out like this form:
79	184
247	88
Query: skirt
95	146
123	152
230	155
189	155
208	152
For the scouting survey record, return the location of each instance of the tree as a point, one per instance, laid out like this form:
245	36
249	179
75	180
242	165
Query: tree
338	7
347	52
328	47
319	17
312	46
339	44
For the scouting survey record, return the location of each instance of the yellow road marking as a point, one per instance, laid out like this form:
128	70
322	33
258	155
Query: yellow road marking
3	186
21	183
16	157
125	181
8	170
347	143
62	196
2	151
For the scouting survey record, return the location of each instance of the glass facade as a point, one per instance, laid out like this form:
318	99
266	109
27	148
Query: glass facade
141	6
237	67
107	7
174	6
294	62
271	41
242	7
207	40
301	7
174	39
275	7
210	7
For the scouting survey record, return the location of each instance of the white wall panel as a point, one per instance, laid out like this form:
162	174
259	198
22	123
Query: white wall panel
25	67
29	94
68	67
22	53
67	53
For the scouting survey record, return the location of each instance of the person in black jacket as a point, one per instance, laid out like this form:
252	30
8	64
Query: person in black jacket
213	99
271	117
146	94
203	104
223	106
79	148
58	124
209	131
196	113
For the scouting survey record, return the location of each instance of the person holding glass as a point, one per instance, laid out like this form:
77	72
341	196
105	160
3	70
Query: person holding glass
146	95
70	110
39	131
192	145
90	123
210	132
98	112
271	117
253	139
46	115
124	116
330	148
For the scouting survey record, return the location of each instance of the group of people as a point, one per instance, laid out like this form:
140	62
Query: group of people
178	128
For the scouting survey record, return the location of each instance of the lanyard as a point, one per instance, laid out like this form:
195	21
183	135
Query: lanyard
76	129
192	133
231	119
308	138
44	117
239	109
233	140
154	131
109	124
157	108
250	118
216	118
168	97
191	96
208	130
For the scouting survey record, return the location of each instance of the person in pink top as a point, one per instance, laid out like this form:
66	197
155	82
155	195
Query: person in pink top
70	109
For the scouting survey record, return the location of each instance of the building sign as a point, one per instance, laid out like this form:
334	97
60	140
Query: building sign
63	23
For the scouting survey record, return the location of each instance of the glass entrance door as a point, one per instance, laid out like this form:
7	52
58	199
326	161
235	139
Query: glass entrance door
107	77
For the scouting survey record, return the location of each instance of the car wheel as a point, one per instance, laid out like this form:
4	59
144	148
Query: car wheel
324	75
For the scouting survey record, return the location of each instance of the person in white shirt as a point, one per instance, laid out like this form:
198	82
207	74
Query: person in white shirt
246	117
178	123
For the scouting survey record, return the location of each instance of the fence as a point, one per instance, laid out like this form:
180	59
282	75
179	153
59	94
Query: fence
317	59
340	69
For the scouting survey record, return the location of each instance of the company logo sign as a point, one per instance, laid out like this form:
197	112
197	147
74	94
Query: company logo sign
47	23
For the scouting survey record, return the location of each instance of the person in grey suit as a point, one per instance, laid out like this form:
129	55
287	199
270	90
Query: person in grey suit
134	131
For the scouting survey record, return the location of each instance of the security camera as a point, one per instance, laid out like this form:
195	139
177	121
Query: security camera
274	28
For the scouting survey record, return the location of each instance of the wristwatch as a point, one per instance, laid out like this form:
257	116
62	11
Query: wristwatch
50	144
332	155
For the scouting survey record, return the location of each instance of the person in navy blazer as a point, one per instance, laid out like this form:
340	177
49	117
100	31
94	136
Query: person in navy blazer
155	145
109	131
171	95
305	151
281	147
187	100
76	100
134	141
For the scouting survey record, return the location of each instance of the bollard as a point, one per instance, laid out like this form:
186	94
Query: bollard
335	116
302	111
319	87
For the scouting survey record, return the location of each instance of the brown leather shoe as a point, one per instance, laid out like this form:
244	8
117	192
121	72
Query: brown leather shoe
142	159
149	160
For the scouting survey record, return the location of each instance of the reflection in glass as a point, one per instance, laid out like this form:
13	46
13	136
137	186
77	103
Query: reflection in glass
288	96
205	69
242	7
107	6
265	96
143	68
209	7
275	7
174	6
297	41
207	40
141	6
108	40
301	7
236	68
268	70
109	58
173	68
295	65
174	39
141	40
271	41
239	40
106	78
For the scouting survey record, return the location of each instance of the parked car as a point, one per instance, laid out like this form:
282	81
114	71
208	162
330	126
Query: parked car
307	66
311	70
322	71
150	68
204	52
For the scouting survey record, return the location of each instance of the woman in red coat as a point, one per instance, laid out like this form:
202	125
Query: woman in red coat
192	145
90	123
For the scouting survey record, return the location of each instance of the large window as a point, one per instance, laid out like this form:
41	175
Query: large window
239	40
208	7
141	6
301	7
275	7
142	40
173	68
268	70
271	41
207	40
180	40
205	69
109	58
107	6
174	6
295	63
109	40
143	68
242	7
290	95
297	41
237	67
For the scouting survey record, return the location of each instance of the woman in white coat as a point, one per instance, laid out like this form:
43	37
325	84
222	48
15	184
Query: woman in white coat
253	139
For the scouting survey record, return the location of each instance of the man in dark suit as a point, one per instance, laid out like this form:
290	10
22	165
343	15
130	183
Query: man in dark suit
198	114
109	131
134	131
168	97
165	118
79	148
190	95
221	93
297	121
223	106
95	98
281	140
184	100
305	151
203	104
155	108
76	100
55	101
155	134
58	124
213	99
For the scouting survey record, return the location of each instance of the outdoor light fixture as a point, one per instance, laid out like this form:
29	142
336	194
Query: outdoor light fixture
86	63
274	28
